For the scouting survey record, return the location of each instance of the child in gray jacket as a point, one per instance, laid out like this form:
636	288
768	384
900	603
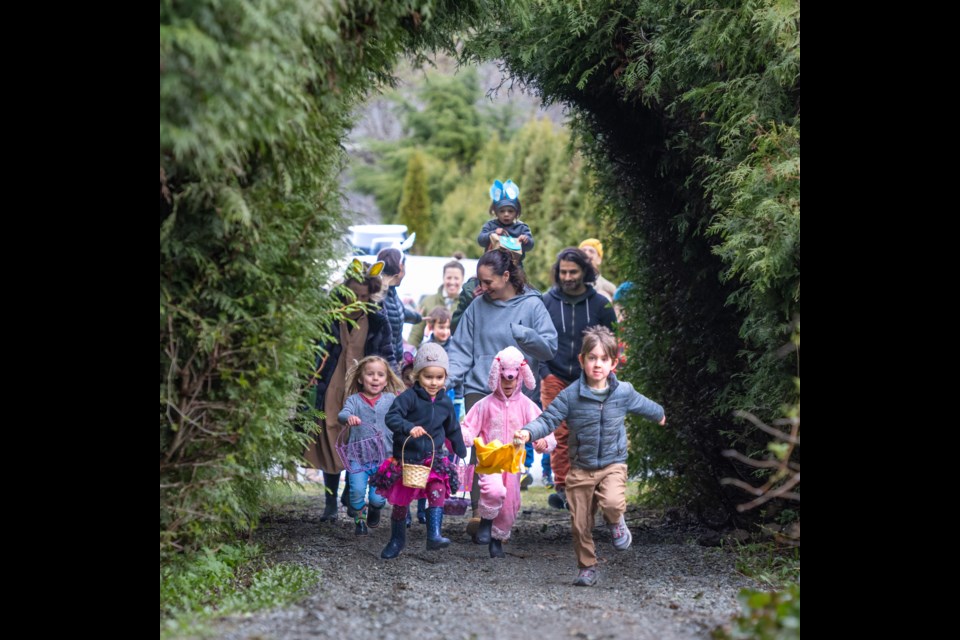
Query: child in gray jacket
371	386
595	408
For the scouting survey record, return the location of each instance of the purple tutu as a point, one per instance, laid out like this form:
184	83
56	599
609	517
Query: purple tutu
389	481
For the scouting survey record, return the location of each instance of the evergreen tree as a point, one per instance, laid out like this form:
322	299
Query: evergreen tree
414	208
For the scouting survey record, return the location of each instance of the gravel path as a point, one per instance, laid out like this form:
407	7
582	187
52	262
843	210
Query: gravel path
665	586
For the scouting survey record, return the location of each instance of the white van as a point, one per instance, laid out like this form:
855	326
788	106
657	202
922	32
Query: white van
369	239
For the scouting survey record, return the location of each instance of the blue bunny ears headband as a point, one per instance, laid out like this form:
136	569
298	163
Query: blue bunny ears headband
501	191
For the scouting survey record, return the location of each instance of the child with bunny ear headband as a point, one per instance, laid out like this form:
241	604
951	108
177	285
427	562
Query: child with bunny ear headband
506	226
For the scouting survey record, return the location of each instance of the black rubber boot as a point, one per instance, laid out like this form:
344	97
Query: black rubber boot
422	511
373	517
434	521
398	540
496	548
483	532
330	481
345	497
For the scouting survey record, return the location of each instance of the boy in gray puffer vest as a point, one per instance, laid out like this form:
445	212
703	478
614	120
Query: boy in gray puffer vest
595	408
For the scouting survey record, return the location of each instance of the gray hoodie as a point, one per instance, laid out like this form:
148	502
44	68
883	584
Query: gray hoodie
489	326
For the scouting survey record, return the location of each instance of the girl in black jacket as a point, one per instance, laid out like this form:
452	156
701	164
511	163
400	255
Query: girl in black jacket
423	417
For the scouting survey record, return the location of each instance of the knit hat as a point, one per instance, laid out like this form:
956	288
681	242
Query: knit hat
430	355
593	242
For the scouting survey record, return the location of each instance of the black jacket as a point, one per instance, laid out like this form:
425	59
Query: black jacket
571	317
414	407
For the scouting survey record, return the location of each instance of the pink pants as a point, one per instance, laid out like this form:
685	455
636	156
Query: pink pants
500	502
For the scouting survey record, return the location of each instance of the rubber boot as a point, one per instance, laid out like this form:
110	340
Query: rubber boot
422	511
398	540
483	532
496	548
360	520
434	521
330	481
373	517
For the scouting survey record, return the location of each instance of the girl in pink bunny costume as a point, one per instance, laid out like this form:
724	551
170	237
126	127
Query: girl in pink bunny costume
496	417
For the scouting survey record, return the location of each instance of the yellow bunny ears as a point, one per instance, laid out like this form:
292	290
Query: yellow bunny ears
362	270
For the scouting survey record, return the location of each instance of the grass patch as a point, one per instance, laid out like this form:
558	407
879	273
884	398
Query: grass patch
774	566
226	580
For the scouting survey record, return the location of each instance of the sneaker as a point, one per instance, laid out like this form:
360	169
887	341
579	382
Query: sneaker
558	500
547	481
525	481
587	577
621	535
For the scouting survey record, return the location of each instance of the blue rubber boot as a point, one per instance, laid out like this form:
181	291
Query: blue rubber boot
434	521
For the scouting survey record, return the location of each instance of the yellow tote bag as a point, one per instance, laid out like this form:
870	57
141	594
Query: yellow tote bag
497	457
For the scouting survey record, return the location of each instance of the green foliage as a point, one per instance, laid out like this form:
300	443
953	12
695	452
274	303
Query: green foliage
229	579
254	100
415	202
443	123
765	615
555	192
771	564
689	114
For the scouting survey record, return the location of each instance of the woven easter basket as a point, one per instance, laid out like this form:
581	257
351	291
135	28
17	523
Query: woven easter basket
415	475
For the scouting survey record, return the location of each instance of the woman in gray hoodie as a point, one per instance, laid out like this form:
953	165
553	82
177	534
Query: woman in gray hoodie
505	313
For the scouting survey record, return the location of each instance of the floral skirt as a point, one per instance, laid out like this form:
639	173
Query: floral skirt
389	480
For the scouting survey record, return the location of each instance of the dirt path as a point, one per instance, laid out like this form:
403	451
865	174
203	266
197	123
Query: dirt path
665	586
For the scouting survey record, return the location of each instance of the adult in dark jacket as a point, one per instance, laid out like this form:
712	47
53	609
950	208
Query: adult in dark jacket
393	272
369	334
574	305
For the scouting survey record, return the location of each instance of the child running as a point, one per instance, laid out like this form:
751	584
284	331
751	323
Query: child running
497	417
422	417
372	386
595	407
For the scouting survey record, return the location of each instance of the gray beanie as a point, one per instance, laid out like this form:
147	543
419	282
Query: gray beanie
430	354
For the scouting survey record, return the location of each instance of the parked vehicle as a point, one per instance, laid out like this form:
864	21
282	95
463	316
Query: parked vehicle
369	239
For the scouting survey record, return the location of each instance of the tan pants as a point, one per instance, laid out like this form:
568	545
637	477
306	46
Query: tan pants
550	386
605	489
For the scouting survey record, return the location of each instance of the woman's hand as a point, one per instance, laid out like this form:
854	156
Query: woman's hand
353	421
522	435
417	431
663	420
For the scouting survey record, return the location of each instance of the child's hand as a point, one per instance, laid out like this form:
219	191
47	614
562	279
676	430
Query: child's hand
663	420
353	420
540	445
498	231
524	239
418	431
522	435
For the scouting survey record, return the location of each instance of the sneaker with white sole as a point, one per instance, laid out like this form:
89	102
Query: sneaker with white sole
622	538
587	577
525	481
